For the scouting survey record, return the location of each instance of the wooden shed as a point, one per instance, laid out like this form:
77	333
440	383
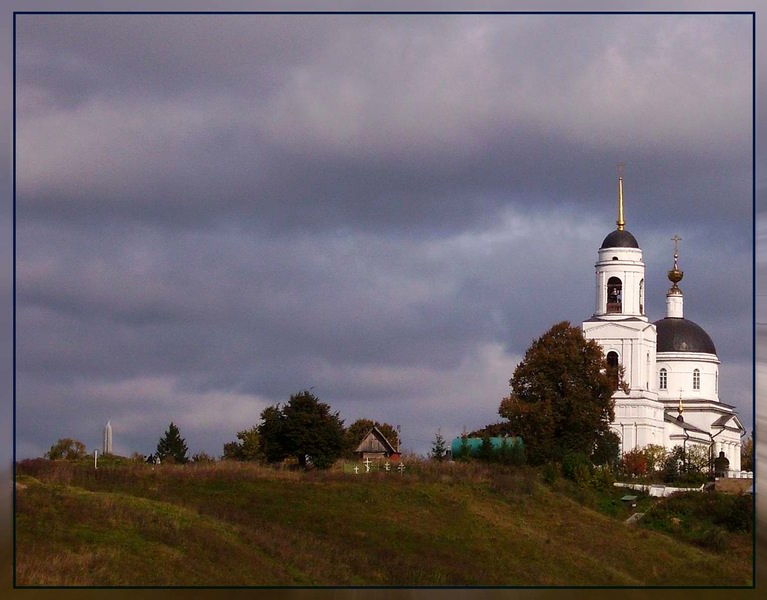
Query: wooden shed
375	446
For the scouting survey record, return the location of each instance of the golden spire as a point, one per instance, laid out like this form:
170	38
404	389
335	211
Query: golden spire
675	275
621	223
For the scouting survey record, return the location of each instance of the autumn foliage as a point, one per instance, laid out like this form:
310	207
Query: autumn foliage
561	395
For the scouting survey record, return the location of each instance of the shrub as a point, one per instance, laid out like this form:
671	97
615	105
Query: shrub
577	467
602	477
202	457
733	512
551	472
634	463
656	457
713	538
692	479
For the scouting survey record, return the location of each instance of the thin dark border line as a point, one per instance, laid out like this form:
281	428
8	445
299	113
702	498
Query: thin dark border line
753	302
385	587
13	496
753	254
418	12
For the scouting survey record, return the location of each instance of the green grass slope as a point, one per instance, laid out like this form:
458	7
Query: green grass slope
241	525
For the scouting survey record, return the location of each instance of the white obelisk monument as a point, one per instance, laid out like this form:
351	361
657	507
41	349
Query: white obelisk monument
108	438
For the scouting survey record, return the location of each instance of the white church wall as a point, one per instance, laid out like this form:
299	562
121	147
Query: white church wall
634	343
680	367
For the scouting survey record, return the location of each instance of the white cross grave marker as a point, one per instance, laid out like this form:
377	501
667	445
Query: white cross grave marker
387	466
367	465
401	468
356	470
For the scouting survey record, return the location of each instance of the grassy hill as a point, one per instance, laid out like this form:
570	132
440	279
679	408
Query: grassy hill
234	524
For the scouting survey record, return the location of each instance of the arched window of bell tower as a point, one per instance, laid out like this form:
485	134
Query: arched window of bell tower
612	366
614	295
641	297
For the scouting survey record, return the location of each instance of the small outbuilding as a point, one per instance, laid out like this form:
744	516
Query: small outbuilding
375	446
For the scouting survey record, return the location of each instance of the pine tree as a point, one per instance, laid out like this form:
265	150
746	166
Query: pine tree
172	447
486	451
438	448
464	450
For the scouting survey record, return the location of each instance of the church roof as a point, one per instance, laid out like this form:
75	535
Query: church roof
689	427
620	238
722	421
682	335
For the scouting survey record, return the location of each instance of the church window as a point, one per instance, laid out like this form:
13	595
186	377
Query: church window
612	366
716	383
663	379
641	297
696	379
614	295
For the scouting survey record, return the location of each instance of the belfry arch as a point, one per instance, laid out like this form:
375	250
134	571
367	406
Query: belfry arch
614	295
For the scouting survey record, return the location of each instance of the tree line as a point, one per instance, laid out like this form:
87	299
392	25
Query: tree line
560	405
304	430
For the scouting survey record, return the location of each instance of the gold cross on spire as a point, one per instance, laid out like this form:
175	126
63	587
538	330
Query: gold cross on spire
620	222
676	239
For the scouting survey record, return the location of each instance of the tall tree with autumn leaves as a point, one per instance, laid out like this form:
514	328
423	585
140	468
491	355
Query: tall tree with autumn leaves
561	395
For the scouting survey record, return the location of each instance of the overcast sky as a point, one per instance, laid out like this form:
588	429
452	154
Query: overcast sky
216	211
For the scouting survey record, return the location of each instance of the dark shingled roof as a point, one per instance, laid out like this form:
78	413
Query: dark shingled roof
672	419
682	335
620	239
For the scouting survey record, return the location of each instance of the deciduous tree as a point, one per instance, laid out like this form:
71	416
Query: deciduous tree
305	429
247	448
561	398
66	449
607	450
747	454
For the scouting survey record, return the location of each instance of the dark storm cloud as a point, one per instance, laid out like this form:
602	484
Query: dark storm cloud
298	297
215	211
375	121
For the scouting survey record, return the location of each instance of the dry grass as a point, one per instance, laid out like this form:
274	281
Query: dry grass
243	524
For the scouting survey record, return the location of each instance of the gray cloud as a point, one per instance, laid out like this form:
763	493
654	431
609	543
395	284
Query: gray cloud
216	211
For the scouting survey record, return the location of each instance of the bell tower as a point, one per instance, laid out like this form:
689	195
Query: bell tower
621	327
620	272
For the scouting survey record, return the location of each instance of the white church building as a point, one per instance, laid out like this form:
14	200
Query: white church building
671	369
